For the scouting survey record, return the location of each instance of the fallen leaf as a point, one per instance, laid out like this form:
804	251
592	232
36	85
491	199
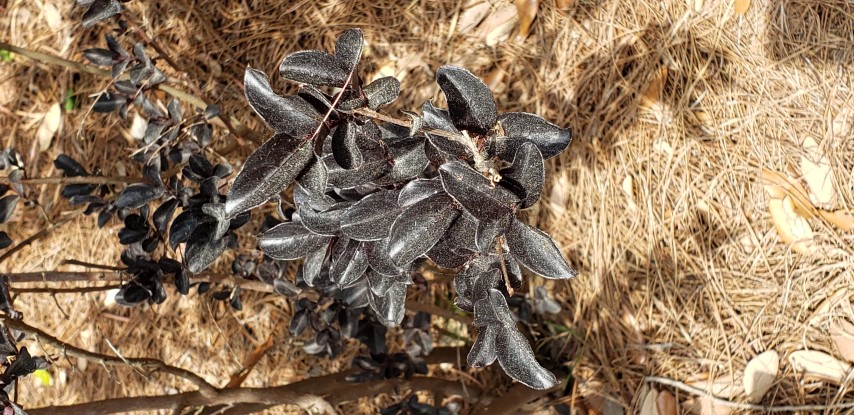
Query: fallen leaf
697	5
648	406
249	363
498	26
778	185
527	10
654	91
842	218
721	387
665	403
741	7
843	122
815	169
842	334
759	375
52	16
138	127
49	126
829	304
819	365
472	16
793	229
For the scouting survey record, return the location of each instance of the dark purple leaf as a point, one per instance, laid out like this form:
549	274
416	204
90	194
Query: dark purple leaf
289	115
419	227
483	351
349	266
319	202
348	48
315	68
378	258
487	232
314	178
371	218
390	308
101	10
537	251
348	179
409	160
475	192
267	172
137	195
445	256
313	265
382	91
203	248
549	138
184	225
108	102
322	223
476	279
419	189
290	240
440	120
526	176
380	284
517	359
7	207
344	147
470	102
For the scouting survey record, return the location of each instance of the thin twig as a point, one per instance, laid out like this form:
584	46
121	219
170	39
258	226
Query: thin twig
66	276
91	265
80	180
38	235
74	290
232	125
205	388
746	406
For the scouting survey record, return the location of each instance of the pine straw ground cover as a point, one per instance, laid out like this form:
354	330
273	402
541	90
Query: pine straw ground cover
677	107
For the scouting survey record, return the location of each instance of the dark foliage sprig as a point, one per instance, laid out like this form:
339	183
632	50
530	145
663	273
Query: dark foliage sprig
374	200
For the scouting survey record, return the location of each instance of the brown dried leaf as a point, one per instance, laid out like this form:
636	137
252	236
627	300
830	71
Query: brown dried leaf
655	89
741	7
472	16
498	26
842	218
666	404
779	185
49	127
249	363
759	375
842	334
564	4
818	365
793	229
527	10
722	387
648	406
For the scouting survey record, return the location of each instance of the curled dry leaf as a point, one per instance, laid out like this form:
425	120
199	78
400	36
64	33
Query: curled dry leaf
818	365
472	16
793	229
648	406
815	168
666	404
653	93
527	10
49	126
843	218
759	375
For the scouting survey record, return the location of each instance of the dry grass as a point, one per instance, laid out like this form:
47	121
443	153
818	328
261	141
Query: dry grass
686	278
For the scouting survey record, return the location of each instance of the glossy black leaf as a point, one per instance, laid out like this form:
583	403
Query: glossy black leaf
537	251
348	179
267	172
475	280
299	322
322	223
163	214
100	57
132	294
69	166
316	201
314	178
391	307
462	234
290	240
182	282
470	102
184	225
289	115
550	139
371	218
382	91
5	241
419	189
203	248
517	359
349	266
7	207
315	68
486	232
483	352
444	255
136	195
286	288
344	147
348	48
377	254
526	176
410	160
475	192
101	10
419	227
108	102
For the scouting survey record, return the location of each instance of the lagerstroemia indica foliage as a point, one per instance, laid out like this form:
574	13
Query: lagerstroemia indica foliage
373	201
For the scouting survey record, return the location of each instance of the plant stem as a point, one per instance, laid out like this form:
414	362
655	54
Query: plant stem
38	235
62	276
205	388
80	180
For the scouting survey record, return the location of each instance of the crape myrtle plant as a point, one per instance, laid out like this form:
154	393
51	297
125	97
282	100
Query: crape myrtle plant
374	199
